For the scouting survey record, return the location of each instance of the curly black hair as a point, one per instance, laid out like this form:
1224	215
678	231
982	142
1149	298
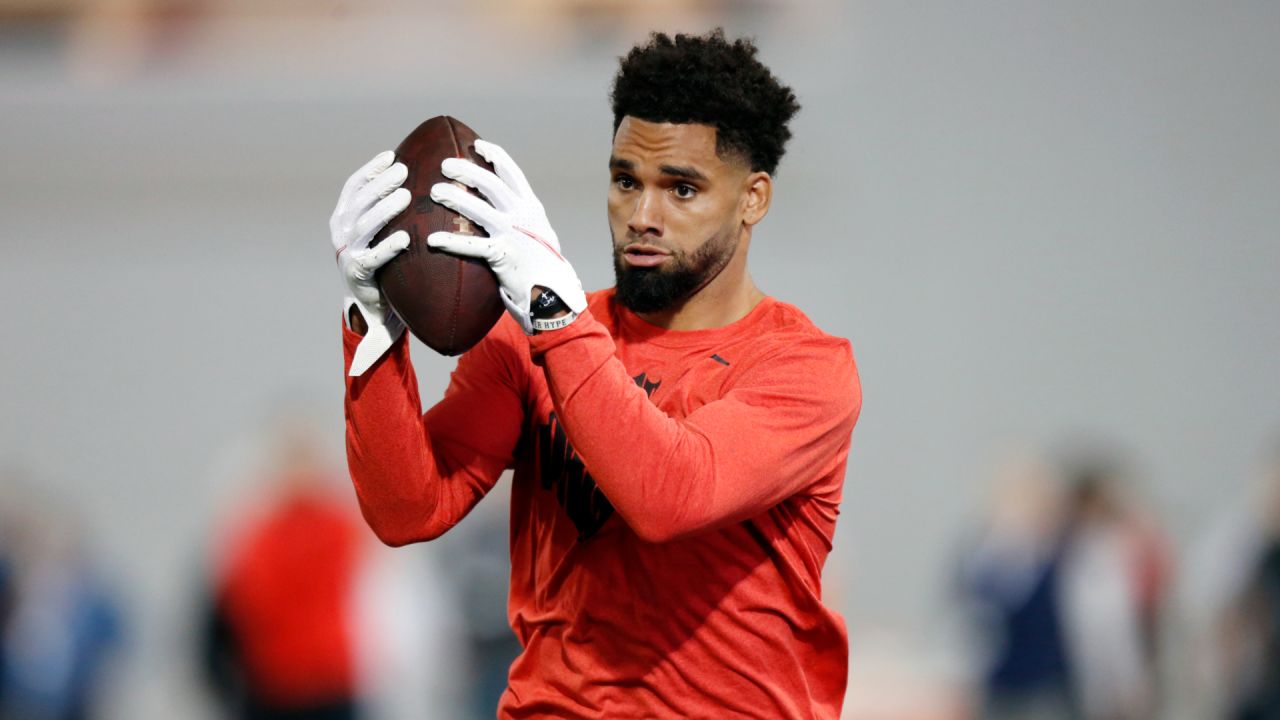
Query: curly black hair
708	80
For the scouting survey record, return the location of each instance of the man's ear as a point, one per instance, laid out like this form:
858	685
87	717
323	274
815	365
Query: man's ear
756	196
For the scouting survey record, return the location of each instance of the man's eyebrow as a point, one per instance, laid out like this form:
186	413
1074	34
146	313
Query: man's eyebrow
683	172
679	171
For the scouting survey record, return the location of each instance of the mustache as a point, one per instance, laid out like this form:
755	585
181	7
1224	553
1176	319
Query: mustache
647	241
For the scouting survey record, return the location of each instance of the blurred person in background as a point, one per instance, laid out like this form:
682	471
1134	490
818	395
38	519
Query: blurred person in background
476	564
60	623
1250	626
668	560
279	637
1114	579
1010	578
7	583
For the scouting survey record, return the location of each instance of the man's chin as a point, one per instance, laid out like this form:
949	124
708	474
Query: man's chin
646	290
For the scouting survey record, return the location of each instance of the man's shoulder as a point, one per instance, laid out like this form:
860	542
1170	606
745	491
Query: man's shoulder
772	323
783	323
784	316
785	337
772	315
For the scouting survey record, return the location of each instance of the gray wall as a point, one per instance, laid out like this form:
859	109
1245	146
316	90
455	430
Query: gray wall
1035	221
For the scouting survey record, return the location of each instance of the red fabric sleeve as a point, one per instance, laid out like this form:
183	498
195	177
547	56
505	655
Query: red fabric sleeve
417	475
778	430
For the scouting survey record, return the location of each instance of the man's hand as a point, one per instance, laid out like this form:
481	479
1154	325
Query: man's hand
369	200
521	248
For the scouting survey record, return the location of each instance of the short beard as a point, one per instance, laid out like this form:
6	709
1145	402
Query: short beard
647	290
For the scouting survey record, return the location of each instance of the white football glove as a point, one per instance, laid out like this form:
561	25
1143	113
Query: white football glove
522	249
369	200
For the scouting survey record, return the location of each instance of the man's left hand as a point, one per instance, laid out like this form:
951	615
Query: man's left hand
522	249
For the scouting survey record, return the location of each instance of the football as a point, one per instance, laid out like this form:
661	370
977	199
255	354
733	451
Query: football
448	302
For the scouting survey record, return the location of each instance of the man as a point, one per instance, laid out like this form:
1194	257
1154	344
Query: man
679	441
278	634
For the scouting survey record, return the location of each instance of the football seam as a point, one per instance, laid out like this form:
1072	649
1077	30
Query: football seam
457	292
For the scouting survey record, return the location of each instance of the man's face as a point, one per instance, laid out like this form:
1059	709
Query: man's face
675	211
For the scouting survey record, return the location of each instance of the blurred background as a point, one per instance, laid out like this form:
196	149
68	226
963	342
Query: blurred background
1044	226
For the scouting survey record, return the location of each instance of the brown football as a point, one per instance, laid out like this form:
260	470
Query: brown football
448	302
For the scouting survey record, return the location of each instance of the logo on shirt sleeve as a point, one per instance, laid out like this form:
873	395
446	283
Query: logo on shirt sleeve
649	387
563	473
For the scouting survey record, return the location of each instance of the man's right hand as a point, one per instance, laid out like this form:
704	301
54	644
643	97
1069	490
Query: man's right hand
369	200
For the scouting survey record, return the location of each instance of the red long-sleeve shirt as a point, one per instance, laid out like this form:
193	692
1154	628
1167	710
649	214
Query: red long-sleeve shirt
674	499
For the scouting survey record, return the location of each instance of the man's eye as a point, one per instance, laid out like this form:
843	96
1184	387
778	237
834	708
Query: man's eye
624	183
685	191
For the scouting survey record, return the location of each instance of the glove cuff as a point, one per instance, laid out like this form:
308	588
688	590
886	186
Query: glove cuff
383	332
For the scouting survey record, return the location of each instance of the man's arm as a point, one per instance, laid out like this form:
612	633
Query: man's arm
786	424
417	475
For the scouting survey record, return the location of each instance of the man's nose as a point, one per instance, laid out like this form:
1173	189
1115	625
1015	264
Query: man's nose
646	216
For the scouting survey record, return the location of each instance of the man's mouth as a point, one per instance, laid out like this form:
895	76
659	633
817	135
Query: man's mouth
640	255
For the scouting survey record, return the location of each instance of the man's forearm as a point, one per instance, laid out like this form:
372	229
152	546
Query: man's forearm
417	475
769	437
